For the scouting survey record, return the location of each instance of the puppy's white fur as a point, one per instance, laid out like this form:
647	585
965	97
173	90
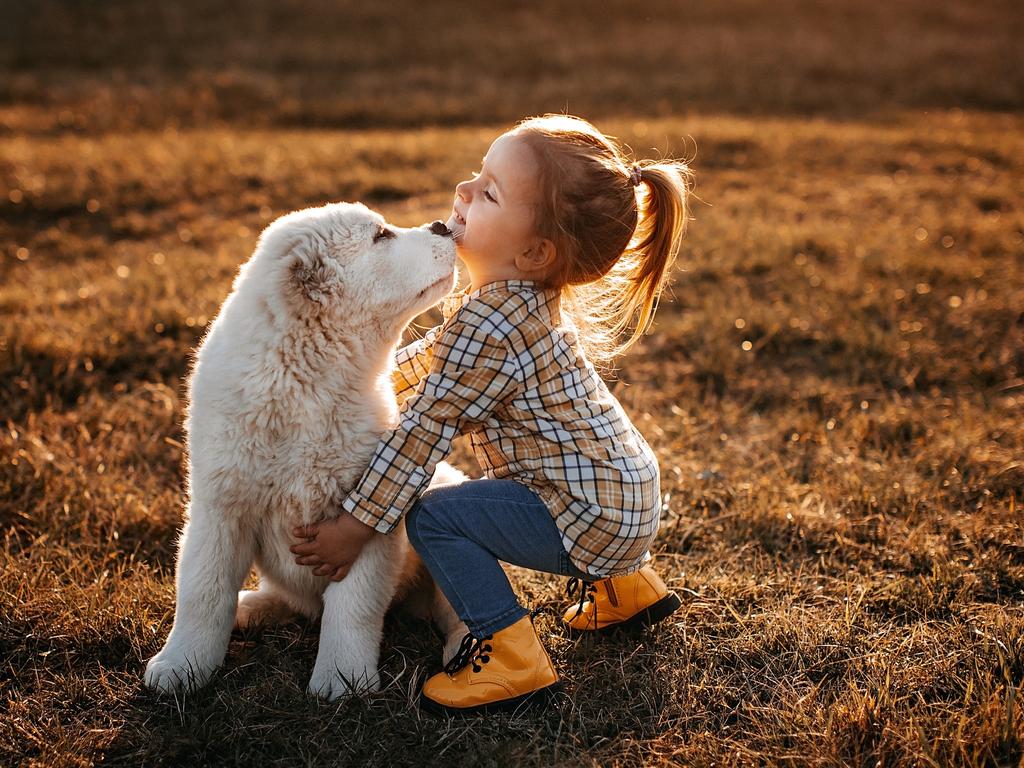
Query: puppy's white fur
289	393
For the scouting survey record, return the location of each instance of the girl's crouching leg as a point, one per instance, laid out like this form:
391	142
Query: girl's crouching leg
468	575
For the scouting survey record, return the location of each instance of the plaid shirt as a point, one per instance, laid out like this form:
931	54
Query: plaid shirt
504	369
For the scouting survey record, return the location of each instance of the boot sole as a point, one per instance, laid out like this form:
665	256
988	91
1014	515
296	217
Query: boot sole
652	614
538	698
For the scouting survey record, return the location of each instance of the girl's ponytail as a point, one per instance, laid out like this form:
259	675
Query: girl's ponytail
617	228
663	216
618	308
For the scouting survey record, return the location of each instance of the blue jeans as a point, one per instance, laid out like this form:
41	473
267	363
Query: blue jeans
462	531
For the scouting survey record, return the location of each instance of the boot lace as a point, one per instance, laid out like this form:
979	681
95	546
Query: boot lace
584	589
470	651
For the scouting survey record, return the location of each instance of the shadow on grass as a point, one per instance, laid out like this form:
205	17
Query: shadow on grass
256	709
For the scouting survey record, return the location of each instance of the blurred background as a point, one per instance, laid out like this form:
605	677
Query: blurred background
833	385
120	65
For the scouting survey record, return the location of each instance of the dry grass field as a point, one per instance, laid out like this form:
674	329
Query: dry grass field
835	386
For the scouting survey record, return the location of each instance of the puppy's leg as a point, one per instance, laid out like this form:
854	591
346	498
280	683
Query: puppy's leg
273	603
424	600
213	560
262	607
353	621
446	620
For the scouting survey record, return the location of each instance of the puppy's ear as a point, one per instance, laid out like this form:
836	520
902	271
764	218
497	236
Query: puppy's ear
310	274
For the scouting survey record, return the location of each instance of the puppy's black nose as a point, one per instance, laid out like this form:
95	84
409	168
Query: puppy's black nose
439	228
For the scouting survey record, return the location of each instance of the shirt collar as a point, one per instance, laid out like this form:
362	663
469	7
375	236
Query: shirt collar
456	301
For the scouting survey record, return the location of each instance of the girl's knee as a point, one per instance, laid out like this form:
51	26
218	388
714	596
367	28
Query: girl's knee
418	518
423	515
412	524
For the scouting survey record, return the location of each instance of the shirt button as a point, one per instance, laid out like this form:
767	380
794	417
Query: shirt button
570	337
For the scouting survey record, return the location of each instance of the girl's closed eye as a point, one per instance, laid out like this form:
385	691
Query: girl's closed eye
488	195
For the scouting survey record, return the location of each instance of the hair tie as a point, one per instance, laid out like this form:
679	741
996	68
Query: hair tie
634	175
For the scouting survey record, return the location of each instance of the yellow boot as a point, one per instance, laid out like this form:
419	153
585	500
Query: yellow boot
634	600
501	672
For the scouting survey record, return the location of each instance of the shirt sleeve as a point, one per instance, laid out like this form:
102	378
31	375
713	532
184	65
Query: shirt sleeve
412	363
471	372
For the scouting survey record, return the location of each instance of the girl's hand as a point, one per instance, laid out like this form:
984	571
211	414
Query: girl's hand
331	547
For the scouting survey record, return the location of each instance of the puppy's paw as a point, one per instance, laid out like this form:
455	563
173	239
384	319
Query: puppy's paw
331	682
171	670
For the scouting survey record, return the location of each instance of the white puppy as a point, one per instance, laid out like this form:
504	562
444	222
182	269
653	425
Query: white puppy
289	394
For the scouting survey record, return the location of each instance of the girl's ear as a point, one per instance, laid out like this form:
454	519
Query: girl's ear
540	257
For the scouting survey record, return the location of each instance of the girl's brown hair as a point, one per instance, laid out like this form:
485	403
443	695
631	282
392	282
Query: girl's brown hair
615	247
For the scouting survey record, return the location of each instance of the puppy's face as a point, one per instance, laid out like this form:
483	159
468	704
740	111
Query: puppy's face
344	264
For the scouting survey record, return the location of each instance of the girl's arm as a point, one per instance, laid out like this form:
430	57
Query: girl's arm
471	372
412	363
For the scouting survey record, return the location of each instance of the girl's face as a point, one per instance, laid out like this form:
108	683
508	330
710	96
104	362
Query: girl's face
492	215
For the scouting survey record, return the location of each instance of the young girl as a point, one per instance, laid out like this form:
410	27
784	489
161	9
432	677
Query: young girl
567	246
